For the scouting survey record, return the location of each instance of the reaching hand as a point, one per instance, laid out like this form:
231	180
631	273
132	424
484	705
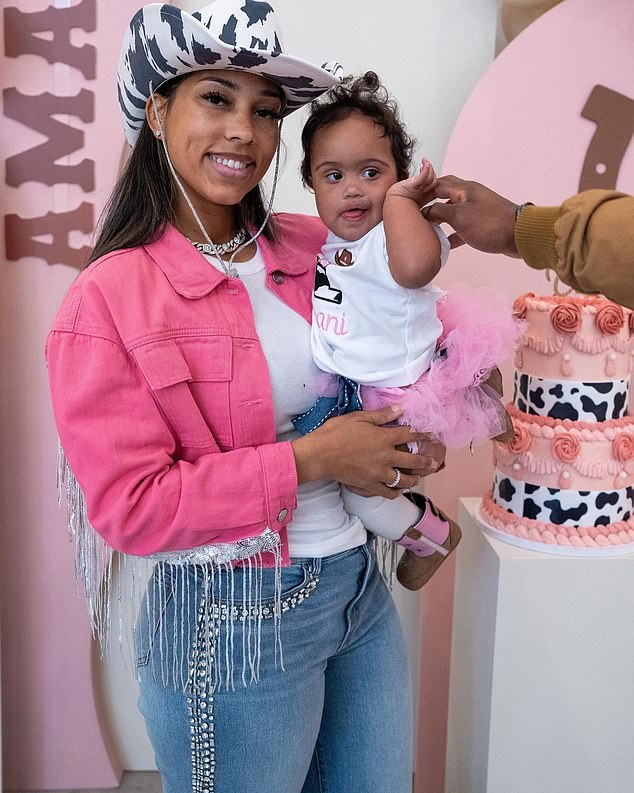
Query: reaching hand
480	218
419	188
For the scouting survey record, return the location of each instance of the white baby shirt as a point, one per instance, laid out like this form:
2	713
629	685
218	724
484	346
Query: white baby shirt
365	325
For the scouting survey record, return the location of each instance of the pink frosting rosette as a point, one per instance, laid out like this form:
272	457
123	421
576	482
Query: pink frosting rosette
521	441
623	447
610	319
565	447
631	321
520	305
566	318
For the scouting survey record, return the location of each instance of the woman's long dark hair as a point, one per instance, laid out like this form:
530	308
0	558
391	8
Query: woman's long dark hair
142	201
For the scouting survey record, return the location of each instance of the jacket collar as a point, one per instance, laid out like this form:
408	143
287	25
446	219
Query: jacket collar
187	270
278	257
191	275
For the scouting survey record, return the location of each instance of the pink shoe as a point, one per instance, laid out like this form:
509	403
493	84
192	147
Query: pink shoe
415	569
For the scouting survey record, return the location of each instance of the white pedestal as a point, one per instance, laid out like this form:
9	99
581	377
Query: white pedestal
542	670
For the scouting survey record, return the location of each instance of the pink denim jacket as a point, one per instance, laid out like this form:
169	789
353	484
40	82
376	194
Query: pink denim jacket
162	396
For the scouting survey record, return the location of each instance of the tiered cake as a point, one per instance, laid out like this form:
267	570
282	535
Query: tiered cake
566	480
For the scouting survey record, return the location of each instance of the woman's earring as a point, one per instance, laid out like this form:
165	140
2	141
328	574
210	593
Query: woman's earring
157	134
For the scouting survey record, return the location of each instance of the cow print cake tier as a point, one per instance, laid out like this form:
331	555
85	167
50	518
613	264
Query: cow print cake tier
565	483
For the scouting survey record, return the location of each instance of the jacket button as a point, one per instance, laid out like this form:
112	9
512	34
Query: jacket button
277	276
282	515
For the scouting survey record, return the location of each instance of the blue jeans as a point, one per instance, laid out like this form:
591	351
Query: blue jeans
337	720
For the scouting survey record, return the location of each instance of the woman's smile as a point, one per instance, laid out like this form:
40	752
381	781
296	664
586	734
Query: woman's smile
231	169
232	164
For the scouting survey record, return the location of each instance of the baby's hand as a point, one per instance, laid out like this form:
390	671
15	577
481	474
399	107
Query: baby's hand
418	188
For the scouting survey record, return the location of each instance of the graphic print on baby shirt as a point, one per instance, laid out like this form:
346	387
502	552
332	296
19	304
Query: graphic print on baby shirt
344	258
323	290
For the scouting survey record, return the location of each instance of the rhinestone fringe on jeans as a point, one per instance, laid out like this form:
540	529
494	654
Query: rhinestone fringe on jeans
323	707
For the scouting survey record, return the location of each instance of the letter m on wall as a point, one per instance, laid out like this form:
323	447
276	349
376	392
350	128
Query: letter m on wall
39	164
23	36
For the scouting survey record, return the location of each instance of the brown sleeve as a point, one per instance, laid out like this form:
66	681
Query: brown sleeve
588	242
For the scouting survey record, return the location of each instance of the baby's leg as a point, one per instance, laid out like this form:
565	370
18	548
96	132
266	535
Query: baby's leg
382	516
425	532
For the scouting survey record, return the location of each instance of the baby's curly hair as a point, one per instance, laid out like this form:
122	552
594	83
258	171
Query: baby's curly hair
364	95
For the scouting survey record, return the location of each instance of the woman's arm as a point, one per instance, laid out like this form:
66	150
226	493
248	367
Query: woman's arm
144	492
147	492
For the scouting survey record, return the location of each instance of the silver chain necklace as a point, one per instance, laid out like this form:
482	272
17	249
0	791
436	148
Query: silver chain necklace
224	247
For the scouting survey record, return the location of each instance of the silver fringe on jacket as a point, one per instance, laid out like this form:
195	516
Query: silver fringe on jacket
200	580
115	587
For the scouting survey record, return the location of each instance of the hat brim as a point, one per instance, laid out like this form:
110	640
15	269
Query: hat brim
164	42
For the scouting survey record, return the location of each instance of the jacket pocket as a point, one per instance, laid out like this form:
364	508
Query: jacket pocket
190	379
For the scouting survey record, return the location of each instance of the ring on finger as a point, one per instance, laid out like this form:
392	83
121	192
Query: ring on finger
397	479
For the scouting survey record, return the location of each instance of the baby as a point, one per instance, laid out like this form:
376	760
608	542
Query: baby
380	325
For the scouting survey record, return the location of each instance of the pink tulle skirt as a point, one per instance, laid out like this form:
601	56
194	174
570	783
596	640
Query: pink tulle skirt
450	400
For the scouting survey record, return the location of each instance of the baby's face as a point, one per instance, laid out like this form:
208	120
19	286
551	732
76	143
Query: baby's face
352	168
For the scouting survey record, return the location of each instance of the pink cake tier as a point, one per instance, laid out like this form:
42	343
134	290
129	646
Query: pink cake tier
574	338
566	454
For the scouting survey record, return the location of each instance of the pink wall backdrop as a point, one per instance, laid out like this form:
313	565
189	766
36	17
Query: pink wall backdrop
523	133
61	143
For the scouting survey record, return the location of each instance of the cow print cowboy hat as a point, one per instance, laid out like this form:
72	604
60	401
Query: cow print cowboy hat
163	42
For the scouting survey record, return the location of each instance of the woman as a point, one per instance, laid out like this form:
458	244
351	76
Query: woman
268	649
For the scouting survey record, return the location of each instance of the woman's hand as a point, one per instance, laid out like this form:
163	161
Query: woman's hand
358	451
433	454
